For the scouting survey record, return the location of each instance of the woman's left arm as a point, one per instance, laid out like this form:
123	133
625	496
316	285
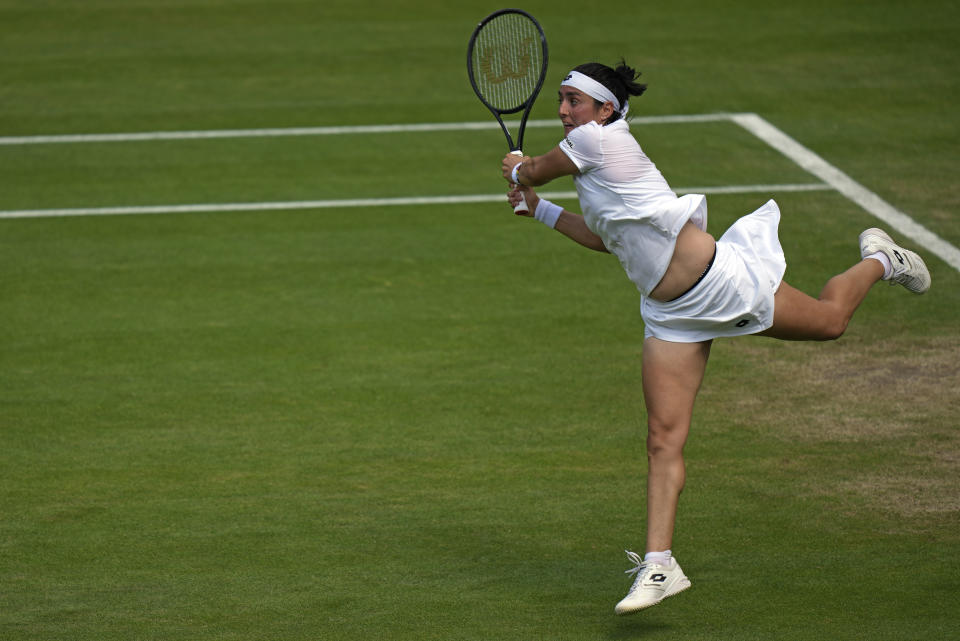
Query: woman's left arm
538	170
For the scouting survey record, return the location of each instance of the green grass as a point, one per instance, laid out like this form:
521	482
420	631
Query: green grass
426	422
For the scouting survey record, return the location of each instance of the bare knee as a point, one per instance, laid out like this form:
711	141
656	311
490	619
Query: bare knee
666	468
834	327
665	439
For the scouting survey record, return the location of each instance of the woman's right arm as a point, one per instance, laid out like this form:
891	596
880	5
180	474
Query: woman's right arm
538	170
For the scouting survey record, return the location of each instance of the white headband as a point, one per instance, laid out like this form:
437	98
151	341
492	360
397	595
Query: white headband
594	89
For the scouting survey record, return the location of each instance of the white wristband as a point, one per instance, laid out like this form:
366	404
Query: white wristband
547	213
513	174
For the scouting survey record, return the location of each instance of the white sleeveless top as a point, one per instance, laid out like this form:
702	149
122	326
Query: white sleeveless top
627	202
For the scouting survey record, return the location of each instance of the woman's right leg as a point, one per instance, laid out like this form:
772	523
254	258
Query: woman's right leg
672	373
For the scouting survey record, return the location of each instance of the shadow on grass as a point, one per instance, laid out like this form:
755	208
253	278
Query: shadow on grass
640	626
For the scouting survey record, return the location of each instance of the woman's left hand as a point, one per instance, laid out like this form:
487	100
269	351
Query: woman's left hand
518	192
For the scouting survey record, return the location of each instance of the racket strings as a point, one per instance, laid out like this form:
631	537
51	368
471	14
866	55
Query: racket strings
508	57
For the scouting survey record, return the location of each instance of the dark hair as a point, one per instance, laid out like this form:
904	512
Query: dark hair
621	80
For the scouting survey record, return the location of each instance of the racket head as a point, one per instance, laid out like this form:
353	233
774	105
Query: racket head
507	62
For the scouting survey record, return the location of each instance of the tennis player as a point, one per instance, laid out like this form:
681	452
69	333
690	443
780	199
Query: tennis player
693	288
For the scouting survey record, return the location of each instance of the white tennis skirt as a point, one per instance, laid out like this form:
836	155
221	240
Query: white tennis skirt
735	296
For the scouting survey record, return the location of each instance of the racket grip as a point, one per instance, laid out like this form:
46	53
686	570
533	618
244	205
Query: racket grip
521	209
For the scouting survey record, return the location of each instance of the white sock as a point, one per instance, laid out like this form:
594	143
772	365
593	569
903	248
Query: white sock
887	267
659	558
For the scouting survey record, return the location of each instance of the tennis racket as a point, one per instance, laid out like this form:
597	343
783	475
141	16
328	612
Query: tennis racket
507	62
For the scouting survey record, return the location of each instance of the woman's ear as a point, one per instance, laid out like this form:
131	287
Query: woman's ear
606	110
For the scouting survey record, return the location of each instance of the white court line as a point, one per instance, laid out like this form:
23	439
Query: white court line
850	188
753	123
365	202
324	131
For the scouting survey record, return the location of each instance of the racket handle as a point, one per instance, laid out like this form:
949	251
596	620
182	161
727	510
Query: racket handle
521	209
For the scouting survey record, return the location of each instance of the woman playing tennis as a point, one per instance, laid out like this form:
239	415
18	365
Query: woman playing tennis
693	288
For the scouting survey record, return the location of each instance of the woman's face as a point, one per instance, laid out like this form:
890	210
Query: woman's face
577	108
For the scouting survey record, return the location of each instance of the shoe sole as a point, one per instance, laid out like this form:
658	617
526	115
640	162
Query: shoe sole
634	610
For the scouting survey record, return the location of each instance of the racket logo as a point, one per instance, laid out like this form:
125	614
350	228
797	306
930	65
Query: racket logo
502	63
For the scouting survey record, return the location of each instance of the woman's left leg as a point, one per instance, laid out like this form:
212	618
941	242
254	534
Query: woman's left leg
797	316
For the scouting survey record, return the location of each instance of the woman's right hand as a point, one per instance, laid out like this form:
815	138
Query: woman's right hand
513	197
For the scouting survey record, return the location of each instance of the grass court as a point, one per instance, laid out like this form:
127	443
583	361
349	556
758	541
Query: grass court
424	421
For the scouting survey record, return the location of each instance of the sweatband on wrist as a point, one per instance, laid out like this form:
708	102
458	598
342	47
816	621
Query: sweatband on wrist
547	213
514	174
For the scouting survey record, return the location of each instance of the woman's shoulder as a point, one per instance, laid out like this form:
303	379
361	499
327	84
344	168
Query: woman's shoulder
583	145
592	135
618	129
586	145
587	130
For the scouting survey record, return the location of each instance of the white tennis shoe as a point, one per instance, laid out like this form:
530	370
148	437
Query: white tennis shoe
653	583
909	269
